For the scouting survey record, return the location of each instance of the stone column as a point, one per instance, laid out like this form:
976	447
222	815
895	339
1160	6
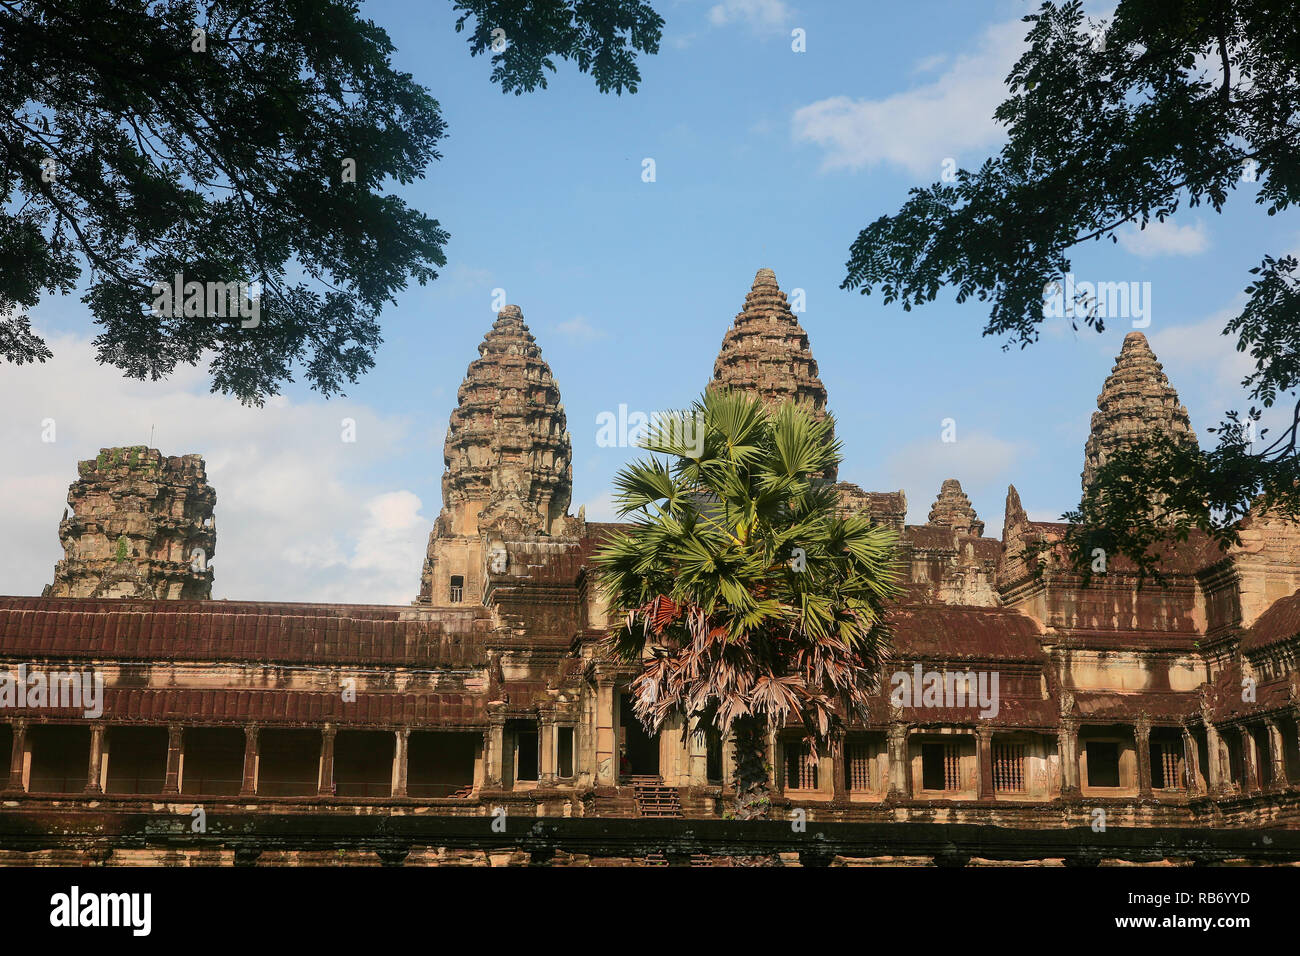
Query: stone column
1067	749
899	770
494	756
697	757
1277	756
249	787
327	787
1142	738
1249	765
839	766
175	744
95	771
606	749
401	741
17	755
1192	770
1214	757
547	742
984	762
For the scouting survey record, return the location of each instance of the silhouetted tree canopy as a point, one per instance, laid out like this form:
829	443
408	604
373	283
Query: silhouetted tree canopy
239	141
1169	103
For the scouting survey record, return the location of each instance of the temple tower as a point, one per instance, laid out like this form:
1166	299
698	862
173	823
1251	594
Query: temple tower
766	353
140	525
952	509
508	461
1136	402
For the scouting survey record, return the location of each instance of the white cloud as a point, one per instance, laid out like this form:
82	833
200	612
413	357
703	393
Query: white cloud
928	63
758	14
297	517
601	508
979	460
1164	239
949	117
578	329
1204	367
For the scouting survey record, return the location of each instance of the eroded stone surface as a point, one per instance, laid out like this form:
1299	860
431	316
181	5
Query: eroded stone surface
138	525
1136	402
952	509
508	458
766	352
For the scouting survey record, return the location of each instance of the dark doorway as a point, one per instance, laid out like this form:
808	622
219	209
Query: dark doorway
638	751
1103	763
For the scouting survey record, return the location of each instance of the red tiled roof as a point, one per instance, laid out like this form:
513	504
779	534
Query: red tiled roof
1107	705
949	632
1012	712
243	631
1279	623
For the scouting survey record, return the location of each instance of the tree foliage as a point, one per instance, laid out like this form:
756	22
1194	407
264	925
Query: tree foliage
1170	103
253	141
747	601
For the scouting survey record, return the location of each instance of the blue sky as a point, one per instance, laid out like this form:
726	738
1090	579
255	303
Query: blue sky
763	157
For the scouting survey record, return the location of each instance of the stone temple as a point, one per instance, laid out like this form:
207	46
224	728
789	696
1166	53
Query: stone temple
307	732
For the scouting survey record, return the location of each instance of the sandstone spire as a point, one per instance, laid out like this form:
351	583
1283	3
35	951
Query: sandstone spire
766	353
507	447
1136	402
508	454
953	509
140	525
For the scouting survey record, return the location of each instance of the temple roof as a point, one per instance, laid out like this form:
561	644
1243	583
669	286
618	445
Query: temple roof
1136	402
507	441
952	509
766	352
127	629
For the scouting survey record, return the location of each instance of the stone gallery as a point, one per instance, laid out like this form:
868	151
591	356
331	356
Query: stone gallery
1161	705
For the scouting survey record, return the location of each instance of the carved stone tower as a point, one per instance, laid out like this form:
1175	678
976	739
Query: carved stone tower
508	461
952	509
140	526
1136	402
766	353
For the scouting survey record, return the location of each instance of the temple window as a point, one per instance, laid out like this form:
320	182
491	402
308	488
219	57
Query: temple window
800	766
1103	763
288	763
1167	764
363	763
441	763
940	766
564	752
214	761
60	756
862	754
457	589
527	764
1008	767
137	759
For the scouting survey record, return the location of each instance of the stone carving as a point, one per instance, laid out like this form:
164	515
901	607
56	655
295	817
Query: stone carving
1136	402
766	353
952	509
508	458
136	521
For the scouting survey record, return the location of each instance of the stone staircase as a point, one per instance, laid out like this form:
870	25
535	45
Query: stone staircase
656	801
653	799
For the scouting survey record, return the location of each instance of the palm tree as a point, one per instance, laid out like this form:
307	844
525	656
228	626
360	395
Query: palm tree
748	602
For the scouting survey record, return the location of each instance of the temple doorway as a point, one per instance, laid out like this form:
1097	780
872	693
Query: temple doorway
638	751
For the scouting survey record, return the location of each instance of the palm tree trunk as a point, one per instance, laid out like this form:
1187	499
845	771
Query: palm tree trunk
753	799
